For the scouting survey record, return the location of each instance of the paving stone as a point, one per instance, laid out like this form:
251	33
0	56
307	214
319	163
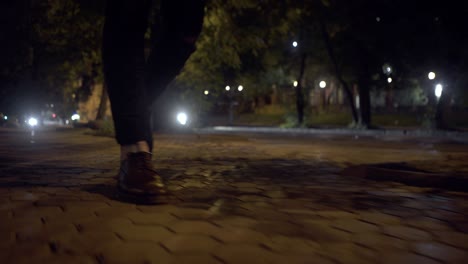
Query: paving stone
349	253
240	235
140	218
25	252
354	226
196	259
302	259
402	257
321	231
336	214
38	212
69	259
235	221
192	213
407	233
379	219
194	227
190	244
97	224
427	223
232	253
90	243
456	239
114	212
134	252
380	242
279	228
441	252
287	207
291	245
26	196
144	233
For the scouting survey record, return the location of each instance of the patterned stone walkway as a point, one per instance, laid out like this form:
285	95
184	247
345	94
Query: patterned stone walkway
233	199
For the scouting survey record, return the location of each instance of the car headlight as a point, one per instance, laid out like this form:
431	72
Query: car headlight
32	122
75	117
182	118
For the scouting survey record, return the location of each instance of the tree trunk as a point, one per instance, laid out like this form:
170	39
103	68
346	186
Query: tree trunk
102	104
364	101
338	74
299	91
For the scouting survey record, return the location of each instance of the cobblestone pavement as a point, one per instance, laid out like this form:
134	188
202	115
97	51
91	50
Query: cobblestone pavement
233	199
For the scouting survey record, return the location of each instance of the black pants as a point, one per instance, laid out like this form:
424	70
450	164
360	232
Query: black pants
132	81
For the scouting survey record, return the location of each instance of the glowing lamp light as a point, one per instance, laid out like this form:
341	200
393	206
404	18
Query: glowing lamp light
295	83
5	117
323	84
228	88
206	92
295	44
431	75
240	88
389	80
75	117
438	90
32	122
182	118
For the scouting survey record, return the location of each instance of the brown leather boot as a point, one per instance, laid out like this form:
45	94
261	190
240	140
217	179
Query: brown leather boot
138	179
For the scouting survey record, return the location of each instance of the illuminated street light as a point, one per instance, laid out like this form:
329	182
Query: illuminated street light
389	80
228	88
295	44
387	69
206	92
323	84
431	75
240	88
5	117
295	83
438	90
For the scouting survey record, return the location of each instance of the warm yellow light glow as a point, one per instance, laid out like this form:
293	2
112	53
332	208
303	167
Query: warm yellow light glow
295	83
206	92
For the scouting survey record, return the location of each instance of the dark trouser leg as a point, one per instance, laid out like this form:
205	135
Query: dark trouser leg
124	68
174	39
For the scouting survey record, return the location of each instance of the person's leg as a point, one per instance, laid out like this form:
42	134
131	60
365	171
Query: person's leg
174	33
124	70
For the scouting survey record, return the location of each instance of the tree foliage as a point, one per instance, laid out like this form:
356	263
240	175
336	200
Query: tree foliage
69	45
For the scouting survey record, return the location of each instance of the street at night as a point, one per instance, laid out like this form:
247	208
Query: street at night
233	198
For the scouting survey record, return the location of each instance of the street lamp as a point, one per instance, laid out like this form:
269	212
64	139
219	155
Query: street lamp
240	88
431	75
389	80
323	84
295	44
206	92
228	88
295	83
438	90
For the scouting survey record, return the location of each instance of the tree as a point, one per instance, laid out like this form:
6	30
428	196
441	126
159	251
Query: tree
238	45
67	46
